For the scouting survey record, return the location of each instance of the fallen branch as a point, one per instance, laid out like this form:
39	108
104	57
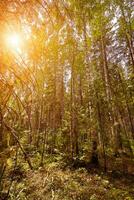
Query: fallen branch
13	132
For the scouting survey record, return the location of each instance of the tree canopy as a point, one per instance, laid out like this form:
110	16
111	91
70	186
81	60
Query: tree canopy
66	81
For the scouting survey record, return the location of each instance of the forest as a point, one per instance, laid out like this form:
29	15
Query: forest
66	99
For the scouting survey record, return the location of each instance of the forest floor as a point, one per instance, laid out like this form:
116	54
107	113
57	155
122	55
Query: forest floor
53	182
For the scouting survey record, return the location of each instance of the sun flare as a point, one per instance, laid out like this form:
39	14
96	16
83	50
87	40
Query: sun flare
14	41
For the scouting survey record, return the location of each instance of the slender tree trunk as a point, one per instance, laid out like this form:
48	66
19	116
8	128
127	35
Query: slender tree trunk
102	132
128	35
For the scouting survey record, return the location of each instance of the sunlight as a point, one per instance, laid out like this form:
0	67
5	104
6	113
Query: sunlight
14	41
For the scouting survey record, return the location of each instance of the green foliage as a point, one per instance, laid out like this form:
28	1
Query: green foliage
67	85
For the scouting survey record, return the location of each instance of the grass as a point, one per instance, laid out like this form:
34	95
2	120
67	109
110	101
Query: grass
51	182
